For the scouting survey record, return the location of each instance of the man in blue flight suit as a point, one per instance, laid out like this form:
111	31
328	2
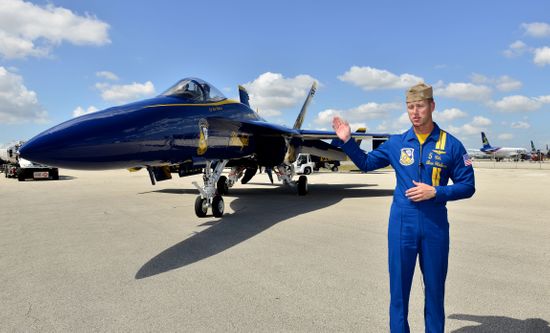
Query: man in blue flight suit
424	159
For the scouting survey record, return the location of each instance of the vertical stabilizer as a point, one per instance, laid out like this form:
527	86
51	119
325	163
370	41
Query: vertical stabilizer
533	150
484	141
302	115
243	96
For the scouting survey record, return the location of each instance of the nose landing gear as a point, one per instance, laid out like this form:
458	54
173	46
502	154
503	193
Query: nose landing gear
210	196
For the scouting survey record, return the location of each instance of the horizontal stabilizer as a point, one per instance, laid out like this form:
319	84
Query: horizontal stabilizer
314	134
322	149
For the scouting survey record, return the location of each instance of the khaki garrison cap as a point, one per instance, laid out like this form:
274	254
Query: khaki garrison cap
419	92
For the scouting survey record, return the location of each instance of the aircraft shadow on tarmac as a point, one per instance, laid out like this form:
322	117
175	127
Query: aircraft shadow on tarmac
489	324
67	178
255	210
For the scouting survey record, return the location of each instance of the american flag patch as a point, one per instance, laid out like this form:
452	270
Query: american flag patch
467	160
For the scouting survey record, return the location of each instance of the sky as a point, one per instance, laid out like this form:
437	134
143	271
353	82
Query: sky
488	61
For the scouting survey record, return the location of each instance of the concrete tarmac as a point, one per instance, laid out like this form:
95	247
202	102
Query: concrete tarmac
106	251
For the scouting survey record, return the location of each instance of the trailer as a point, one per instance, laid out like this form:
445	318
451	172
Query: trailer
15	167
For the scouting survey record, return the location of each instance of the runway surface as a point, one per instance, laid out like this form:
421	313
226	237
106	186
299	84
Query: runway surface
106	251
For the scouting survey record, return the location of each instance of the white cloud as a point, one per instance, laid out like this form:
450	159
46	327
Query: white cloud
107	75
516	103
506	83
477	125
27	29
515	49
502	83
536	29
448	115
479	78
358	115
542	56
370	78
520	124
403	120
481	121
125	93
383	126
79	111
17	103
272	92
505	136
463	91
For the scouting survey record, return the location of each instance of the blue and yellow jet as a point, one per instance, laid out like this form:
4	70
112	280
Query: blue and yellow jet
191	128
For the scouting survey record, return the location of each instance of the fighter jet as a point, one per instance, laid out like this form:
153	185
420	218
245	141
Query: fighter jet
190	128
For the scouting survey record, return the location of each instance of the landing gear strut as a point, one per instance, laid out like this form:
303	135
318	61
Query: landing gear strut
210	195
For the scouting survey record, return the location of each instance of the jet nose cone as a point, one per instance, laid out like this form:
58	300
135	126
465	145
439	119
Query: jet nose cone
26	151
37	150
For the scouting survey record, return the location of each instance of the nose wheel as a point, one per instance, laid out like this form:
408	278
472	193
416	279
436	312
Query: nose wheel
201	206
210	193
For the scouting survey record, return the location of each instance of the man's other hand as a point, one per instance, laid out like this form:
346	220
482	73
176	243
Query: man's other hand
420	192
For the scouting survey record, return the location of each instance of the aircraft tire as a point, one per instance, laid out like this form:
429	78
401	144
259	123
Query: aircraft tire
302	185
307	171
200	207
334	169
217	206
20	175
222	186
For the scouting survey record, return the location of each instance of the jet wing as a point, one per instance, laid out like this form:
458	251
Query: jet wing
305	141
256	127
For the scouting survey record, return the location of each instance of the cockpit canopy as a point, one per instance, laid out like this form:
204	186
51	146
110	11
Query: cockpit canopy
196	90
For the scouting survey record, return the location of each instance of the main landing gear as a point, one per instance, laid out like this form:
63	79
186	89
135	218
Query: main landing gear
210	193
216	185
285	172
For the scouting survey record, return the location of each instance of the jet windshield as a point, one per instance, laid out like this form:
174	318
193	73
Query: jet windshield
196	90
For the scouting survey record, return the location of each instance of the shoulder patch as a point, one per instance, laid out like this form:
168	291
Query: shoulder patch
407	156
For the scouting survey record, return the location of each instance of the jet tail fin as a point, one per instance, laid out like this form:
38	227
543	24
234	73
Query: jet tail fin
302	115
243	96
533	146
485	141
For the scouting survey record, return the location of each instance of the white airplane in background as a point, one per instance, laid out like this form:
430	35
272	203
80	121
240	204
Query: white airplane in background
500	153
477	154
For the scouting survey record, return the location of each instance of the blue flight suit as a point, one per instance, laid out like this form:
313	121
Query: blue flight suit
419	227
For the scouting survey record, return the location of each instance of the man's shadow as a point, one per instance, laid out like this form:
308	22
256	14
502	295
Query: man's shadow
255	210
494	324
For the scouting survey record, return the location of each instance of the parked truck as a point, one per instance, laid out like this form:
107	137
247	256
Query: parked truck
15	167
307	163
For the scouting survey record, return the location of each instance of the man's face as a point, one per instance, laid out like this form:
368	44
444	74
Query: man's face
420	112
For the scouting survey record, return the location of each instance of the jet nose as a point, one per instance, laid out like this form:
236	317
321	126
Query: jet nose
97	141
39	149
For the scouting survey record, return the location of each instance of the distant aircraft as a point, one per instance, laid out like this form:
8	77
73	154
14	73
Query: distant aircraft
500	153
191	128
477	154
536	154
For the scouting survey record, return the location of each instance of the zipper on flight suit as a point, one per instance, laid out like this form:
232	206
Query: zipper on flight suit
420	165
